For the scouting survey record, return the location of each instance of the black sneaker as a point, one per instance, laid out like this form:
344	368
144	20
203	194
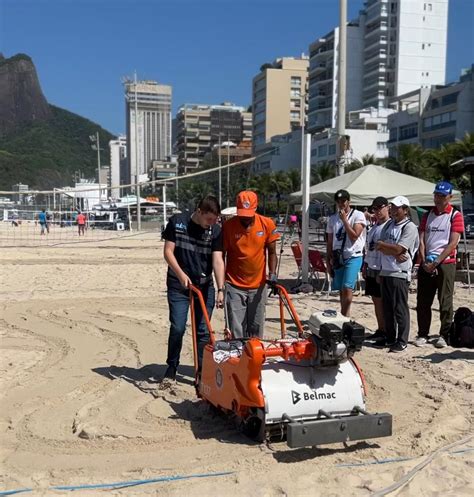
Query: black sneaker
397	347
170	373
383	342
377	336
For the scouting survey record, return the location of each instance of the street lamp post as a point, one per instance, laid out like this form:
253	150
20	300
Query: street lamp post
96	146
341	97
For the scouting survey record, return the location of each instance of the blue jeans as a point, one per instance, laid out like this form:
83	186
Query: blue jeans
178	301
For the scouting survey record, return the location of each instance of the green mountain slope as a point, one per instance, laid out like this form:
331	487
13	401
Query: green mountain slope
45	154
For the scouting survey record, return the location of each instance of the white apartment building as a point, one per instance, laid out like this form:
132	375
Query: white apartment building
395	46
118	163
431	117
368	135
152	125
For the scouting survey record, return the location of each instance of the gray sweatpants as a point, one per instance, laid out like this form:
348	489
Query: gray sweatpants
246	310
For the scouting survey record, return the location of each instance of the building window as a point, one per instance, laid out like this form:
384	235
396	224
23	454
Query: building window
295	81
295	115
322	150
449	99
295	92
408	131
332	150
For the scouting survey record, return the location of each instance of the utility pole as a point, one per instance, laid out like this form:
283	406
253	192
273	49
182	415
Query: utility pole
220	171
341	94
228	170
306	183
137	185
98	160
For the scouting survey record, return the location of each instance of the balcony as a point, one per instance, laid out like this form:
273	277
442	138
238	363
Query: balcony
376	28
379	55
317	67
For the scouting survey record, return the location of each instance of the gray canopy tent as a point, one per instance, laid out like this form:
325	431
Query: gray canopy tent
368	182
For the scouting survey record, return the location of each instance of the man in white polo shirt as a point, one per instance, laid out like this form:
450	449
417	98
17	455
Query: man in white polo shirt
440	232
345	245
398	244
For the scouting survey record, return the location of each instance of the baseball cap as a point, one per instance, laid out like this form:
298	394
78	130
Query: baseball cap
400	201
444	188
379	202
247	203
341	195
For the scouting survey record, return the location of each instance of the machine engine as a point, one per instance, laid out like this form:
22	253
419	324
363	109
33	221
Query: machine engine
336	337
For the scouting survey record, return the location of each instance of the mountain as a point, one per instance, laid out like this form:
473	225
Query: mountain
41	145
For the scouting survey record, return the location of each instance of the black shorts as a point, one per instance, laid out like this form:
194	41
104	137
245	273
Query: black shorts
372	288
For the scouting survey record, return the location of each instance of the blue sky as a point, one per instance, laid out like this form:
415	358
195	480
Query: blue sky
208	50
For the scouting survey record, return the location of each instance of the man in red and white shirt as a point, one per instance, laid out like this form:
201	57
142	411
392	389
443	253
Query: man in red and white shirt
440	232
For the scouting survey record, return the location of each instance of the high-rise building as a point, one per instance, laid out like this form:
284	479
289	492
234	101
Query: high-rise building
200	127
118	164
323	76
394	47
404	48
279	98
152	125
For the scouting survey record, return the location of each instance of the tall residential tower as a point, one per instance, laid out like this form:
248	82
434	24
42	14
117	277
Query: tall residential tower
394	47
151	125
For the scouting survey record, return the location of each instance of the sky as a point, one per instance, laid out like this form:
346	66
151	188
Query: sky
208	50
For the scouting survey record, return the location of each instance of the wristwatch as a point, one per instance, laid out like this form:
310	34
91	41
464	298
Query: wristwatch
221	289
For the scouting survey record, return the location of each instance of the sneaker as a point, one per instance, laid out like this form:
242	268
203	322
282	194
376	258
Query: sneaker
170	373
440	343
378	335
421	341
383	342
397	347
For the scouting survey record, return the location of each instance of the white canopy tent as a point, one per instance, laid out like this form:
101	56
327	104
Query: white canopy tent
368	182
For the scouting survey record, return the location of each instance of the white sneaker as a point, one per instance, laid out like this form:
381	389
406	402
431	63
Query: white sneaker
440	343
421	341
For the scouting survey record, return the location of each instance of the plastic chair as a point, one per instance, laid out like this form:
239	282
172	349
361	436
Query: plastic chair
318	265
298	255
297	249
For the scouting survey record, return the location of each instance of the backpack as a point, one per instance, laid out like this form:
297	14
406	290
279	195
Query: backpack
461	333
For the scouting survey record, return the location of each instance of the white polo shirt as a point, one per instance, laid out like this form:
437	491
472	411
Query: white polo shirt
335	226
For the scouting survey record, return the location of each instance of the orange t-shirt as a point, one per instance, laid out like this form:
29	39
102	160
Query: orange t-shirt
245	250
81	219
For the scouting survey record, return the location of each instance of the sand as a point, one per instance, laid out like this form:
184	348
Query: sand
83	340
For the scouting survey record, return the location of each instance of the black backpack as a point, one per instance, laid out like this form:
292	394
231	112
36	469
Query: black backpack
461	333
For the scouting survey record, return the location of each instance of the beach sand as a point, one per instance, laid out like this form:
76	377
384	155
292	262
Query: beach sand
84	332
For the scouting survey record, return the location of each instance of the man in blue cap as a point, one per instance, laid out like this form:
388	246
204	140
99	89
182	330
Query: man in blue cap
440	232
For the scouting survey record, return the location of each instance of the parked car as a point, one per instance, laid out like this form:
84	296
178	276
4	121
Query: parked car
469	225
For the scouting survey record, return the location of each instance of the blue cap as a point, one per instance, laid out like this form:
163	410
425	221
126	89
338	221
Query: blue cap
444	188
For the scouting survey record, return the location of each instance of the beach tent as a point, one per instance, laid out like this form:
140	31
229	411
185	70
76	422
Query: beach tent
368	182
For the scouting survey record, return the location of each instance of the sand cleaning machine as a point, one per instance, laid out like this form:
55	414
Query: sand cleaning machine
307	389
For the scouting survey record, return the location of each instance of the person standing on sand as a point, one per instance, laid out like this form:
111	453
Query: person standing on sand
81	223
193	251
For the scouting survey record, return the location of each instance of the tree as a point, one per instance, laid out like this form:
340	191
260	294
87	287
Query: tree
322	173
365	160
412	160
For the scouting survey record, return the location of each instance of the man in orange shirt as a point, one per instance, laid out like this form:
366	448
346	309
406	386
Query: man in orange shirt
249	239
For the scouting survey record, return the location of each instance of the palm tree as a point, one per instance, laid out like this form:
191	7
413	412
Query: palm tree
412	160
322	173
365	160
263	184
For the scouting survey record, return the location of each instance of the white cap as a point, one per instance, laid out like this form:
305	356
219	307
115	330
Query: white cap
400	201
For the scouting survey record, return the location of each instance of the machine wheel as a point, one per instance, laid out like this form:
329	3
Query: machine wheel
253	426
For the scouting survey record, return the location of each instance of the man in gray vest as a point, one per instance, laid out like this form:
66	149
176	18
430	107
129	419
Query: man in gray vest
398	244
